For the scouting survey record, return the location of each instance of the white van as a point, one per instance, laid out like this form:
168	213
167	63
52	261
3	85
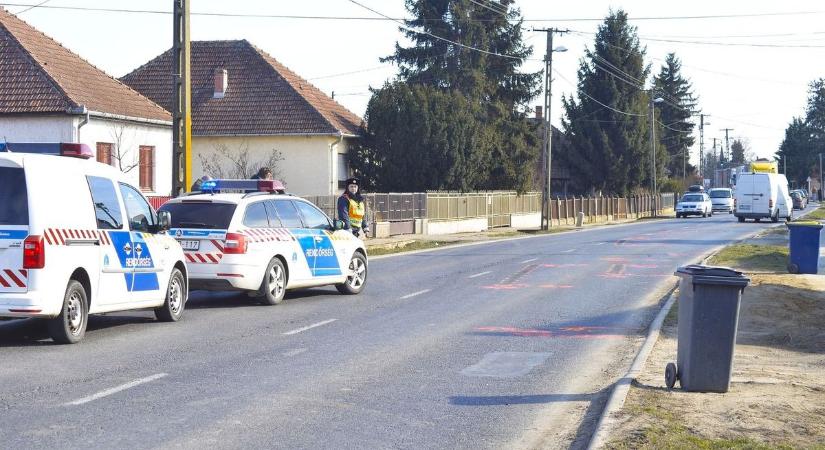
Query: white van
76	239
762	196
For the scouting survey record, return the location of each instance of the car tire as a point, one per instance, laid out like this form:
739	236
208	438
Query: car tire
273	286
757	220
775	217
740	219
357	278
175	301
678	216
70	326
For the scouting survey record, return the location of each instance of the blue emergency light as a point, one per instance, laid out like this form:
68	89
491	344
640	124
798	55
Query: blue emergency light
214	186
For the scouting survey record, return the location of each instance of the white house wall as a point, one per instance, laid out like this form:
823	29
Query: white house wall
309	165
134	135
36	128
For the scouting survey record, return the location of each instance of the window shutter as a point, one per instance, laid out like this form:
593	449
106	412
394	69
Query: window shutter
104	153
146	167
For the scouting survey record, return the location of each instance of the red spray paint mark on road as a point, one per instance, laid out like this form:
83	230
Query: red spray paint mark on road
505	287
561	266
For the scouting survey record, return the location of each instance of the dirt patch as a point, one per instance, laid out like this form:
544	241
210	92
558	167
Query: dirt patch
777	394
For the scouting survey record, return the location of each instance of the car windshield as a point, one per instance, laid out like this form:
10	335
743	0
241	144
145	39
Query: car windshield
720	194
209	215
692	198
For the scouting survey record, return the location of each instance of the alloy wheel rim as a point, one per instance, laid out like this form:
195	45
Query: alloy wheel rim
357	269
276	282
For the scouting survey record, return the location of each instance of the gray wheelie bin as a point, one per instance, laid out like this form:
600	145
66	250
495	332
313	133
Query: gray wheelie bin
708	316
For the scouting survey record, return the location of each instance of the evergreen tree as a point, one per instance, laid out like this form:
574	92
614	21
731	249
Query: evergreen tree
799	150
737	152
496	91
609	125
420	138
676	113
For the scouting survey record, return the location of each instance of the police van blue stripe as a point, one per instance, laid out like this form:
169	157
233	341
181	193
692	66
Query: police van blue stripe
13	234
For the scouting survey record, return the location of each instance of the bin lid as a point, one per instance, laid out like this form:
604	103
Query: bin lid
701	274
805	223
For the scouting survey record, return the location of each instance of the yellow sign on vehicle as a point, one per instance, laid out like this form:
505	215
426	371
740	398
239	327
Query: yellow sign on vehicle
764	167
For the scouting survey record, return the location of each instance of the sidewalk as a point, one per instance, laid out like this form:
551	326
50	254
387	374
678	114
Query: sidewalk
777	394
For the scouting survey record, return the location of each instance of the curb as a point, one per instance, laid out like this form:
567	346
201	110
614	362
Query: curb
622	386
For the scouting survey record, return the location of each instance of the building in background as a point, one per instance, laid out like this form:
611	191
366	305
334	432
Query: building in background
50	94
249	110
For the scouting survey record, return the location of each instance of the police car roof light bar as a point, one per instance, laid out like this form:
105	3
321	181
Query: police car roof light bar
76	150
213	186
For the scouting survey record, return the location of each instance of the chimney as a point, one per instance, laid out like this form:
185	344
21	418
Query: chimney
539	111
221	83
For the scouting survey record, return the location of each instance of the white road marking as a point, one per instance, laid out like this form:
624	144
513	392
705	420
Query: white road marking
480	274
528	261
569	251
415	293
295	352
309	327
115	390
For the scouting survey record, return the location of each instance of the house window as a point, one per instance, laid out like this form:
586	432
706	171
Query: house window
104	153
343	171
146	163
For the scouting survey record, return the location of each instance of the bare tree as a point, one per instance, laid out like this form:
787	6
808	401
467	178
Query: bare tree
121	148
226	162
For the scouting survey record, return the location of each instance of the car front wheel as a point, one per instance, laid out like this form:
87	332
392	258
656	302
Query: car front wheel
172	308
356	276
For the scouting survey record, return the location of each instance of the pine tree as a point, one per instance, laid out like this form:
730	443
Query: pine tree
799	150
609	126
496	89
737	152
676	112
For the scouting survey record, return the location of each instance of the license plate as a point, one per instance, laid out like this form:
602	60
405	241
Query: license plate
744	207
190	245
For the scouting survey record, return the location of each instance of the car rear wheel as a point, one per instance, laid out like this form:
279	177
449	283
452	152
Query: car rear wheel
172	308
740	219
273	286
356	276
70	326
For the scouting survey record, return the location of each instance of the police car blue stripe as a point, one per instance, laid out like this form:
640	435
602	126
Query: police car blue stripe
13	234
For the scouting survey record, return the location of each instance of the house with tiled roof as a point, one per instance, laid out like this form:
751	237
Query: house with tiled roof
249	110
50	94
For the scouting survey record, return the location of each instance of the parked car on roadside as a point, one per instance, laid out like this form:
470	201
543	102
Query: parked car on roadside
694	204
722	199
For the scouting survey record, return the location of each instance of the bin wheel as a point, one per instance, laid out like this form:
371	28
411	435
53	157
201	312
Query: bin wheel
671	375
793	268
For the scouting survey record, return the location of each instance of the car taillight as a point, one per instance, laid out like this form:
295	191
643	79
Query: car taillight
770	203
235	244
34	253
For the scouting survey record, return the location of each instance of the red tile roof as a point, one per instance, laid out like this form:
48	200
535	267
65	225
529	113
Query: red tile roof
263	96
38	75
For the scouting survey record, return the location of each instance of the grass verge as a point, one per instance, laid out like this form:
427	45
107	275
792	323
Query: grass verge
407	247
772	258
817	214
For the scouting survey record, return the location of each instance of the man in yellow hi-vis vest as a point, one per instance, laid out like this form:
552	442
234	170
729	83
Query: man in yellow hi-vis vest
352	208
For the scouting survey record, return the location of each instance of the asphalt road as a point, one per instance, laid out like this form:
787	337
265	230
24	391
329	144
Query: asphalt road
504	344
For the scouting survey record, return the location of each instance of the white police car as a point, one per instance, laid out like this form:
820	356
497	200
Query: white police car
263	241
76	239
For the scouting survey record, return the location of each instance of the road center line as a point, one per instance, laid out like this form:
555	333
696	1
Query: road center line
569	251
529	261
115	390
415	293
309	327
480	274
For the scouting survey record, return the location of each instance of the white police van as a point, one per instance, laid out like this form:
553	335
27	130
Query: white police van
262	241
76	239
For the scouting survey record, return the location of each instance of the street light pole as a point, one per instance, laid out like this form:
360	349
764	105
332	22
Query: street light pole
820	177
547	131
653	186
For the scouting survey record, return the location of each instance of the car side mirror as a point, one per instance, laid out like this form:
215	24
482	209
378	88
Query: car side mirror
338	224
164	221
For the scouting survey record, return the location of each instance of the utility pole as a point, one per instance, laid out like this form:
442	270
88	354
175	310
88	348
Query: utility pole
702	167
727	142
182	108
547	155
653	187
820	178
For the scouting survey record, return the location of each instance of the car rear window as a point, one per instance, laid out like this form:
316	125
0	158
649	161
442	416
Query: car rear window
693	198
720	194
14	198
213	216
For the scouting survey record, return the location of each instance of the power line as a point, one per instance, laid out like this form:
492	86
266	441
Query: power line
497	11
369	69
318	17
33	6
592	98
726	44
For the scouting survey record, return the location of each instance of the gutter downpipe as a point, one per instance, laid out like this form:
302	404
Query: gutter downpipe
332	161
85	112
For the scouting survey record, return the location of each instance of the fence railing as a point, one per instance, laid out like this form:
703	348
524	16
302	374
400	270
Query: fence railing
496	206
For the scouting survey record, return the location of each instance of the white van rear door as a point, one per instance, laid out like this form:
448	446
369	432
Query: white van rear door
14	228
